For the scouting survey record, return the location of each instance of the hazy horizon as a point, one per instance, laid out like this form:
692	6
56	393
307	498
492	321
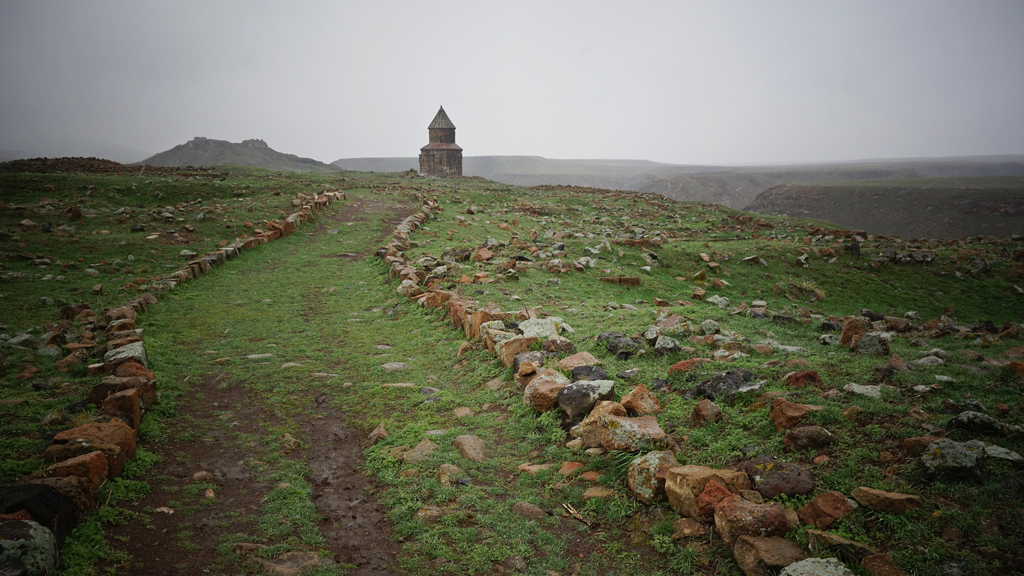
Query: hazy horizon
691	83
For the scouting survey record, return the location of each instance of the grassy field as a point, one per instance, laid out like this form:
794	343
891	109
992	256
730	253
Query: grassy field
909	207
321	301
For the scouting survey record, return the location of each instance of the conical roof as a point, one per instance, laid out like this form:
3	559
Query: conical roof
441	121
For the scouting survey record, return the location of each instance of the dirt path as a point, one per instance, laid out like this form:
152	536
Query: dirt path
206	494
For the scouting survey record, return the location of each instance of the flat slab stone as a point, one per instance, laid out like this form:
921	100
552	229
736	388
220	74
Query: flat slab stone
134	351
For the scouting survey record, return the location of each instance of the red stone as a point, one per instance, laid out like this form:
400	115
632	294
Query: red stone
916	446
825	509
713	494
115	439
785	414
735	517
705	411
687	365
569	467
27	373
881	565
91	466
124	405
641	401
133	369
803	379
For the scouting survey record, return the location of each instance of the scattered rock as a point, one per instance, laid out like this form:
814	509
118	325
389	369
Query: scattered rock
735	517
825	509
578	359
646	475
873	344
577	399
723	385
471	447
629	434
807	438
929	361
589	429
983	424
420	452
817	566
890	502
709	327
666	345
852	328
588	373
705	411
803	379
683	484
542	392
534	469
597	492
849	550
785	414
688	528
641	401
528	510
864	390
761	556
881	565
449	474
772	477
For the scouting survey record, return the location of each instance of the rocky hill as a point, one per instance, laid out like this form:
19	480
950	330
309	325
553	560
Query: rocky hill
908	207
201	151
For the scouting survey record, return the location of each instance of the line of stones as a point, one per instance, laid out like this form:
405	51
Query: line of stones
755	530
40	511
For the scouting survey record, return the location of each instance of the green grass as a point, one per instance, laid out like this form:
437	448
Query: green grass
300	301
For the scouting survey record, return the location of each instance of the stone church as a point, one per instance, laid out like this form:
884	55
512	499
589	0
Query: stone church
442	156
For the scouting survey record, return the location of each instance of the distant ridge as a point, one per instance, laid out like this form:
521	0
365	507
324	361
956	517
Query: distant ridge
201	151
733	186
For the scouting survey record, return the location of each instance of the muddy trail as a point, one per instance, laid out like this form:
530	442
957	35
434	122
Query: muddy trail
206	508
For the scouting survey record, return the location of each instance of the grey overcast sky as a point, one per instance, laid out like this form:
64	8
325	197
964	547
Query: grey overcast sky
724	82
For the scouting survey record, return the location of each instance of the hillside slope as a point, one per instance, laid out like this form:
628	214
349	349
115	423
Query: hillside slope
909	207
734	186
201	151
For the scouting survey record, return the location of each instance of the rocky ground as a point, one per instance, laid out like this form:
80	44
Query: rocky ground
549	381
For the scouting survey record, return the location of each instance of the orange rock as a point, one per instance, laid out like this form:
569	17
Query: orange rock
115	439
27	373
882	501
641	401
1018	367
124	405
115	344
917	445
91	466
133	369
825	509
712	494
483	255
853	327
785	414
569	467
687	365
803	379
75	358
